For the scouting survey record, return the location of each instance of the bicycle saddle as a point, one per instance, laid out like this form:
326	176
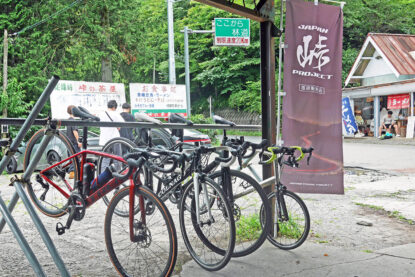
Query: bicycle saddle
83	114
176	118
4	142
142	117
220	120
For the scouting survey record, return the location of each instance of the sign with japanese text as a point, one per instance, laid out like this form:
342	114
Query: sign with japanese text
232	32
312	108
158	100
410	128
93	96
349	120
399	101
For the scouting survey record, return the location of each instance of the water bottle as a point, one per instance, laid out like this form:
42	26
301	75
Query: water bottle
102	179
87	176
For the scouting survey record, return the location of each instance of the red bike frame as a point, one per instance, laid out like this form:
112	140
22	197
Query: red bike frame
108	187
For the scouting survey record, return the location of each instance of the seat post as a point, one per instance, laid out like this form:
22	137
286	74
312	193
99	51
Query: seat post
85	138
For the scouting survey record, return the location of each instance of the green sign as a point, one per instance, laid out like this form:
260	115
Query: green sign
232	31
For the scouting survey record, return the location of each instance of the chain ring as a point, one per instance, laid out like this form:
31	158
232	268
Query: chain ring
80	207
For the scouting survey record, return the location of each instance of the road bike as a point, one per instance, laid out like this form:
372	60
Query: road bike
250	235
141	242
291	219
205	215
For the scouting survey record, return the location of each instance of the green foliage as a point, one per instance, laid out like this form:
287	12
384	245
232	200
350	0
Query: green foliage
248	228
201	119
292	228
248	99
132	36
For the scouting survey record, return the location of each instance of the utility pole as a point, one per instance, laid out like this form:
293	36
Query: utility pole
186	32
5	54
172	66
186	69
154	70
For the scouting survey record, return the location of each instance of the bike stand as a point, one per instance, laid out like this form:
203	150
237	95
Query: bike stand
20	193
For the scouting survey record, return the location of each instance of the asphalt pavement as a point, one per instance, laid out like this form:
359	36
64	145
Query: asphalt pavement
316	260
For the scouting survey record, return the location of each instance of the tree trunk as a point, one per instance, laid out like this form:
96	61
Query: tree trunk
106	64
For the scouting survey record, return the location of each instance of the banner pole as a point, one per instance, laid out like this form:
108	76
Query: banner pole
281	44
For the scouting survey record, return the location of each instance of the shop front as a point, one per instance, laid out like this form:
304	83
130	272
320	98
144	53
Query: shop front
371	105
382	80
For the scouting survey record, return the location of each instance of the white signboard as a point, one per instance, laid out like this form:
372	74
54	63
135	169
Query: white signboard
93	96
410	127
158	100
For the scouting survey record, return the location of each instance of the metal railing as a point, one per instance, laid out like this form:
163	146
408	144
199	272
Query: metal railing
19	187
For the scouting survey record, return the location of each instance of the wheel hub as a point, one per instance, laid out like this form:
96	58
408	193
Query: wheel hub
142	234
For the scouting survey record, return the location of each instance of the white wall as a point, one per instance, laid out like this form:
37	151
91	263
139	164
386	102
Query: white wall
377	67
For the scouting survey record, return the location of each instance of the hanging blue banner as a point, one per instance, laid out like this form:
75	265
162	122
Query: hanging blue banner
349	121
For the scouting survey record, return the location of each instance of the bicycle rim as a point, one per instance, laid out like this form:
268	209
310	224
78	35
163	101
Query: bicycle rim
116	146
289	233
153	255
210	245
249	198
59	148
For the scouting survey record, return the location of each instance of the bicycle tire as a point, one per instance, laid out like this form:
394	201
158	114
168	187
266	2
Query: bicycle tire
11	165
61	143
228	228
248	220
170	243
295	237
159	137
126	144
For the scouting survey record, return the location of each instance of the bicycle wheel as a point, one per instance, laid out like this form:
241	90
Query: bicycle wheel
210	243
47	198
159	137
119	147
249	197
290	228
155	252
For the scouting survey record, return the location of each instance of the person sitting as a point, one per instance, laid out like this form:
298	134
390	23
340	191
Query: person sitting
387	124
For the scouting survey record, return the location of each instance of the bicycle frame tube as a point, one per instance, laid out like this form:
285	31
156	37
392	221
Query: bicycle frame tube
227	183
164	194
204	188
196	188
91	199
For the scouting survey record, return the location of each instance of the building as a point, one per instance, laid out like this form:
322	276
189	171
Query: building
383	77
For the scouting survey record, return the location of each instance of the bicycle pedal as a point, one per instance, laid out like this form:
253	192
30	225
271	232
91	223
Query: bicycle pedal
60	228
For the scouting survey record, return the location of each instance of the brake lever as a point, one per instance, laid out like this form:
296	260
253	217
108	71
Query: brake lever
309	157
240	161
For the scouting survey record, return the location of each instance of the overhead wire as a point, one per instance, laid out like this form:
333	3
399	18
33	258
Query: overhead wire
46	19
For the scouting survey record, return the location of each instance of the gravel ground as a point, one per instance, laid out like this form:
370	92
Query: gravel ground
82	248
334	222
367	200
373	140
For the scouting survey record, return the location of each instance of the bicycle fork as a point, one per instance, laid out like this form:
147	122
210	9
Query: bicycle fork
196	177
280	213
136	225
